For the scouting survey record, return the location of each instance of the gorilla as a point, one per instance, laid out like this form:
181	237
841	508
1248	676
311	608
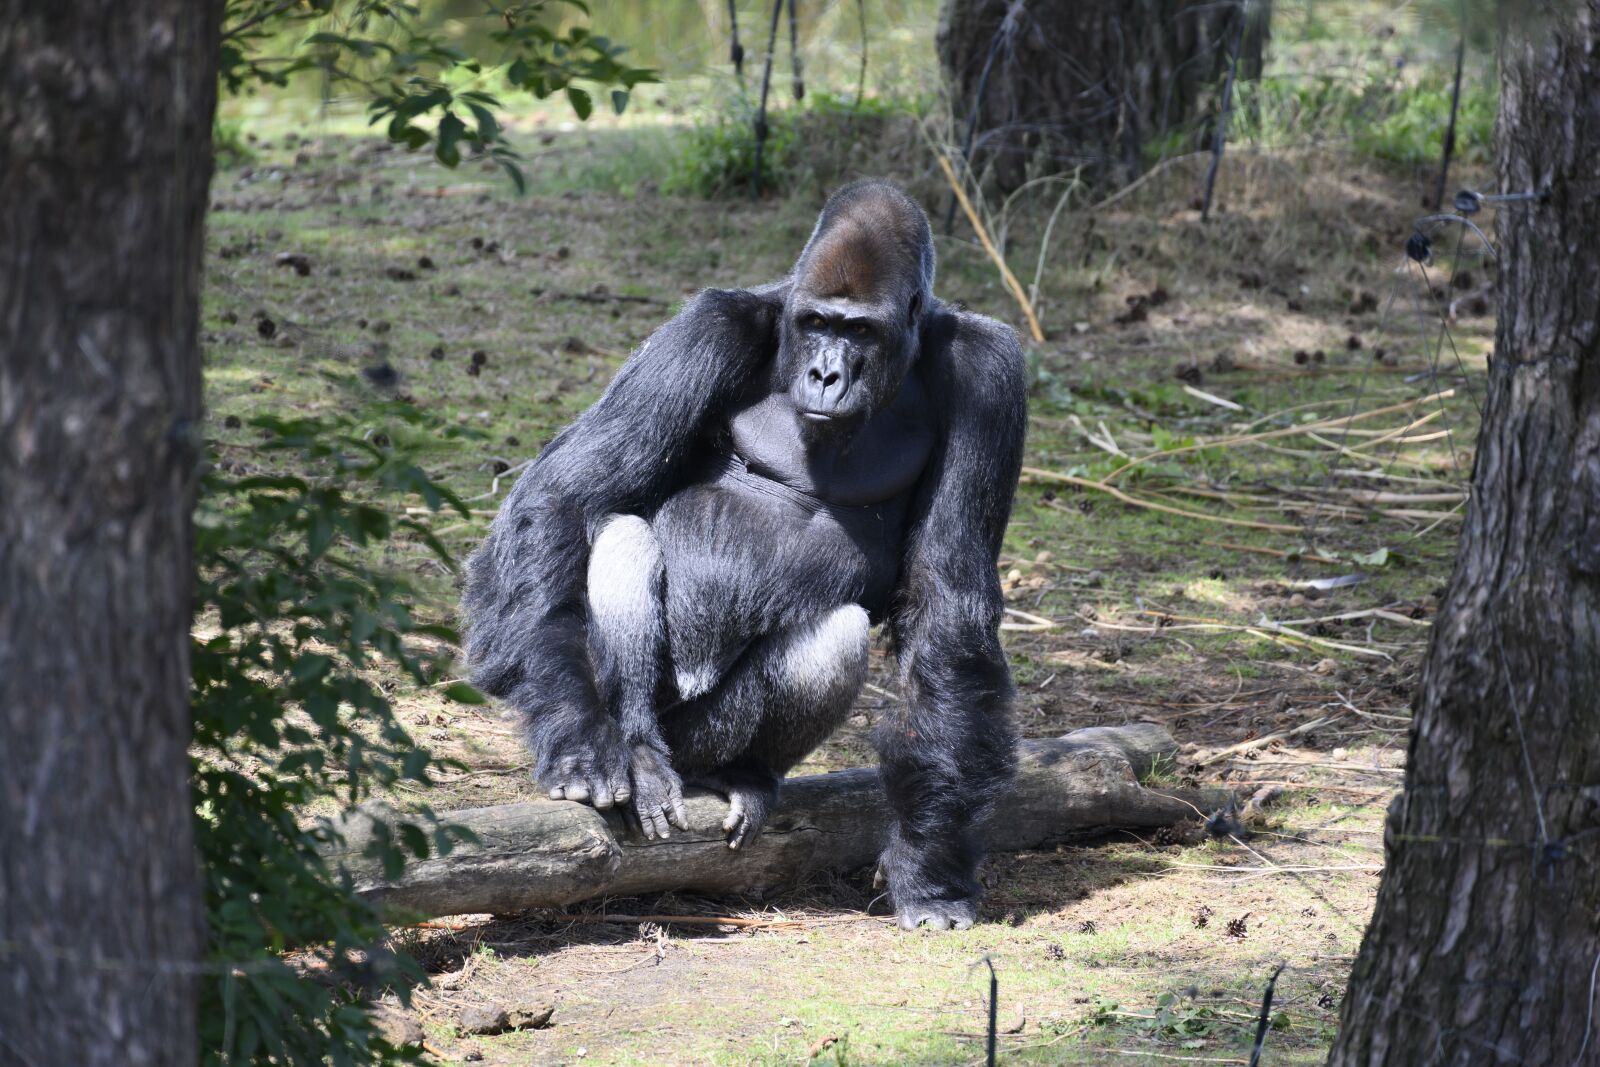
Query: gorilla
680	587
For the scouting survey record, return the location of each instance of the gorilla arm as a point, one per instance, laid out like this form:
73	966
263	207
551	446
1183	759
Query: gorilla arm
950	751
525	587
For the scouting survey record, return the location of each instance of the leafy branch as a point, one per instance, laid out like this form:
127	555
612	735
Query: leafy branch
425	89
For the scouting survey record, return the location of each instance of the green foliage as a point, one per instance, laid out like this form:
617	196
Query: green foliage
718	155
1179	1018
422	86
228	144
1379	113
289	612
1413	131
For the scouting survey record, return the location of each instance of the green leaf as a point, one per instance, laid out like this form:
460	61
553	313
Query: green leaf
462	693
619	100
582	103
451	130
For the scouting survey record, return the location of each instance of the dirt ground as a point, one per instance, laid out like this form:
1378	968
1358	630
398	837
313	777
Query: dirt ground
1166	341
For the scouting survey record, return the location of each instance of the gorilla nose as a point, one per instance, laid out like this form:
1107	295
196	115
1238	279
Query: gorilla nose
827	381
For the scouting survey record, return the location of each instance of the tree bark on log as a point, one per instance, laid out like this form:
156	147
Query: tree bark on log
105	157
1484	944
548	854
1052	86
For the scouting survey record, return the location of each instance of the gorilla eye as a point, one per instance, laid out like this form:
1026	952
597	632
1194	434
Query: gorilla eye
813	321
860	329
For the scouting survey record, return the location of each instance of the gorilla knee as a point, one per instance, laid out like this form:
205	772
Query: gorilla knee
625	575
828	657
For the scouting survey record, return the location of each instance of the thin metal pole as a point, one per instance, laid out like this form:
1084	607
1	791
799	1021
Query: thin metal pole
1221	137
761	113
1450	130
861	81
799	84
737	51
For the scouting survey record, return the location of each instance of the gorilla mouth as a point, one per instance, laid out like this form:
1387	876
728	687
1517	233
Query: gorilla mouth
816	416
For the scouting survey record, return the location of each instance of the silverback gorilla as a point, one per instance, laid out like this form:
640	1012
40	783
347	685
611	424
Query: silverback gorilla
680	587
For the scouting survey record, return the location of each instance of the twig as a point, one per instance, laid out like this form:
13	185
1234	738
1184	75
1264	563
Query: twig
994	253
1288	431
1292	557
1033	622
687	920
1086	483
1267	739
1276	870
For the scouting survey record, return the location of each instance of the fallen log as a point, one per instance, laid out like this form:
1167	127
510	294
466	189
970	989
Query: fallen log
548	854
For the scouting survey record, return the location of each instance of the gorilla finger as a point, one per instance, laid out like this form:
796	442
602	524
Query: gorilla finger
578	791
659	817
602	796
680	816
558	793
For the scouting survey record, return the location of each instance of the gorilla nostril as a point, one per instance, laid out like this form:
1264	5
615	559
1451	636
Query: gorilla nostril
831	379
814	374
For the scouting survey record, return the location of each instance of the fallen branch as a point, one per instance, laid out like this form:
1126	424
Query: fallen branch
548	854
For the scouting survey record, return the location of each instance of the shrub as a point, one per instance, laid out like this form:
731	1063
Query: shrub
825	140
290	614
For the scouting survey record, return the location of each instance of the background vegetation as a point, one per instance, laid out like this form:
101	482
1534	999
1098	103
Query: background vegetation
390	340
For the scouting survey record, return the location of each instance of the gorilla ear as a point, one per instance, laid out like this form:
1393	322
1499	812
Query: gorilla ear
916	308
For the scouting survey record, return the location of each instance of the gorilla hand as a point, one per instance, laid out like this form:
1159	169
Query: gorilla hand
591	768
657	793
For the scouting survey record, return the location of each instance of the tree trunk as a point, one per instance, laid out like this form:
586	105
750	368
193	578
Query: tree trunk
547	854
1087	83
1485	942
105	148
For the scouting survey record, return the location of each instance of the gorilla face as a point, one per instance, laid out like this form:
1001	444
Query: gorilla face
851	323
845	359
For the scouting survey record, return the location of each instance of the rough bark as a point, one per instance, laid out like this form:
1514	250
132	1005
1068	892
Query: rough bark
1086	83
105	143
546	854
1485	941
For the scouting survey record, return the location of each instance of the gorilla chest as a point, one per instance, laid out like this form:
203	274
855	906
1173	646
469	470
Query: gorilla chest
776	531
880	463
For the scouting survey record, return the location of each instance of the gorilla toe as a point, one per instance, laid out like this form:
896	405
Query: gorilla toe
748	809
938	915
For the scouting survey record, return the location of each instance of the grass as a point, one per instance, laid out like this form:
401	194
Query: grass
1303	257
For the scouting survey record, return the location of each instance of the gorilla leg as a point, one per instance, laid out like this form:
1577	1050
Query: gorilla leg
782	698
627	647
627	626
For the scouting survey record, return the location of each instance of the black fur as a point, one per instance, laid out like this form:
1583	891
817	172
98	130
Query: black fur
772	468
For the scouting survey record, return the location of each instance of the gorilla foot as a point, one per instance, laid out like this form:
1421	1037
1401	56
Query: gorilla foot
937	914
657	794
748	808
590	779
